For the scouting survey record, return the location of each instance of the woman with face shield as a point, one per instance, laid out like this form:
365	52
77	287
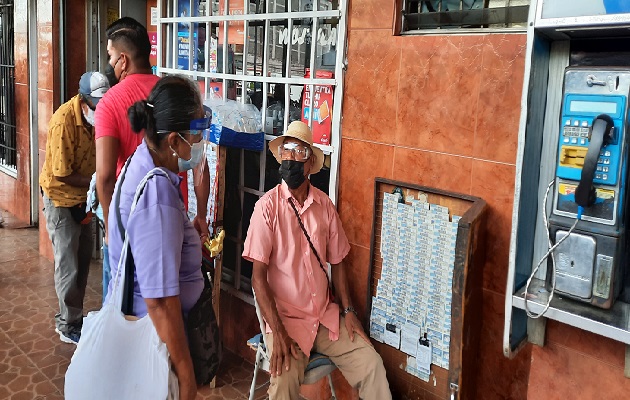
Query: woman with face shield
166	247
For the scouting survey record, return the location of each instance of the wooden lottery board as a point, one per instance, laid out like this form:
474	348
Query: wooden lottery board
456	382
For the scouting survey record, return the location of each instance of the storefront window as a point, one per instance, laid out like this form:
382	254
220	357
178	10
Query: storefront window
264	55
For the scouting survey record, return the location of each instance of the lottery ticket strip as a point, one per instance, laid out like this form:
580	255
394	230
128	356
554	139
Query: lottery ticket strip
414	293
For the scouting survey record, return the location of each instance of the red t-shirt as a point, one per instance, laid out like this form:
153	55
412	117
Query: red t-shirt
111	118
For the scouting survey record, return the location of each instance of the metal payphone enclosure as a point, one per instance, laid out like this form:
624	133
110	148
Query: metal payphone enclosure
589	262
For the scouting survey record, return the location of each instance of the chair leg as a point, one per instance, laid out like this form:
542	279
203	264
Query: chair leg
252	389
332	388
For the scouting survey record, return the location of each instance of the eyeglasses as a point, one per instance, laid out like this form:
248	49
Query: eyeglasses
300	153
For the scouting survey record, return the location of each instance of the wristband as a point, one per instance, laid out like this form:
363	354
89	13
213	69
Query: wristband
349	310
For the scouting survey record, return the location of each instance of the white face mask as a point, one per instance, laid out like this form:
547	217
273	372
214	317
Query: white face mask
89	117
196	155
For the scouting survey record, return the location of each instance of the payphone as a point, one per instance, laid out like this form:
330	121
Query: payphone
590	186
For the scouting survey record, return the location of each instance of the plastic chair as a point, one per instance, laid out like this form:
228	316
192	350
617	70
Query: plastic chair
319	365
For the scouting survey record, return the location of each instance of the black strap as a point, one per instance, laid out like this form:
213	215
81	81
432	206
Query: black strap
601	134
130	266
321	264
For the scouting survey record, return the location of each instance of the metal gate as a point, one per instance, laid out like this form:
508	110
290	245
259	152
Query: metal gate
8	155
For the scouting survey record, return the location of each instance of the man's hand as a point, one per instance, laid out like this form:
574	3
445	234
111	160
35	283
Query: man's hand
354	326
283	348
202	227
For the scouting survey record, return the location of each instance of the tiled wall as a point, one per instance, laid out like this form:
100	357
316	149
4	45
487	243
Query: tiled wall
440	111
15	193
443	111
47	92
575	364
75	45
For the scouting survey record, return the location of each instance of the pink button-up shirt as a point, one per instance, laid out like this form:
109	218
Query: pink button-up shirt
298	283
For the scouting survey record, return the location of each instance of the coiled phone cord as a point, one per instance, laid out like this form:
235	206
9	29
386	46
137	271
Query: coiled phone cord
552	247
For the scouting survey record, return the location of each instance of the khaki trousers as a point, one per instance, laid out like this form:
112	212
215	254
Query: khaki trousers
72	248
359	363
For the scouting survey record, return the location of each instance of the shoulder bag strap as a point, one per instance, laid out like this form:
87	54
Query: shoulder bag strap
127	302
124	262
321	264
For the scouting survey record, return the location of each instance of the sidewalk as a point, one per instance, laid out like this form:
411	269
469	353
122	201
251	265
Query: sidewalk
33	360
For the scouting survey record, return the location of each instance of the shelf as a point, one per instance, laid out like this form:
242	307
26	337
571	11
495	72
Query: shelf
613	323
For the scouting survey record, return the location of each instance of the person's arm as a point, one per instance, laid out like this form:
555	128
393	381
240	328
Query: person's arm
202	192
166	314
106	160
75	179
283	344
340	283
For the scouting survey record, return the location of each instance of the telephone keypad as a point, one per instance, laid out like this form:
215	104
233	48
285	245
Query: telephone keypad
598	176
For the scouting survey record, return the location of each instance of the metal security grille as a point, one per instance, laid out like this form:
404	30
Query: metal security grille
457	14
279	55
8	156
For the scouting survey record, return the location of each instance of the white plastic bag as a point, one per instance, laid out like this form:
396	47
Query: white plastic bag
119	357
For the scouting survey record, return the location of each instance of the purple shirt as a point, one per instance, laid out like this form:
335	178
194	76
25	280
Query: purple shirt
165	245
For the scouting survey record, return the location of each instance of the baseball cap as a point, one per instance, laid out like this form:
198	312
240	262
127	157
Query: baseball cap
93	86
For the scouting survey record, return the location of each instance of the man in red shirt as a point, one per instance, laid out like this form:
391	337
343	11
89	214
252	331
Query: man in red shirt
131	79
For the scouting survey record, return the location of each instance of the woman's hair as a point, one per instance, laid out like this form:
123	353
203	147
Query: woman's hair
171	105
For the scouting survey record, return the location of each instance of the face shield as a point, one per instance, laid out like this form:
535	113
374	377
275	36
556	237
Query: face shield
199	149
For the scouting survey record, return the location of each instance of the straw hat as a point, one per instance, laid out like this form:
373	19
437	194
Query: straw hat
299	130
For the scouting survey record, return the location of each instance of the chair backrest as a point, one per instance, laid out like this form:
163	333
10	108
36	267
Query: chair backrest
261	321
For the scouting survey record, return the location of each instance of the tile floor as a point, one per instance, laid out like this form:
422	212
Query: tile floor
33	360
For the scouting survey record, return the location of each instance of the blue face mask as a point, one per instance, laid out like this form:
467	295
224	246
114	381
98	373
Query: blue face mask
196	154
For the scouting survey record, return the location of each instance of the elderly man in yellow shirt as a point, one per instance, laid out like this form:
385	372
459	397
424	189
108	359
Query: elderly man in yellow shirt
64	180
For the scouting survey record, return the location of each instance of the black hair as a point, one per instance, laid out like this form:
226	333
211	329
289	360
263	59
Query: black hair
171	105
131	36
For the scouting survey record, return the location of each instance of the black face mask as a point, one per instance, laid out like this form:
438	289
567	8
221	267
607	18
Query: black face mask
110	74
292	172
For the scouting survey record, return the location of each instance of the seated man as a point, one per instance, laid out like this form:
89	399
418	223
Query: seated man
293	232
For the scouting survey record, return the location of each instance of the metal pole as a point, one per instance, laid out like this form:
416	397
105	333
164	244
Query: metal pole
33	100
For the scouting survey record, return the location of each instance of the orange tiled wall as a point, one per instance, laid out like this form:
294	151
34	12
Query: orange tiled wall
47	92
75	45
443	111
440	111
